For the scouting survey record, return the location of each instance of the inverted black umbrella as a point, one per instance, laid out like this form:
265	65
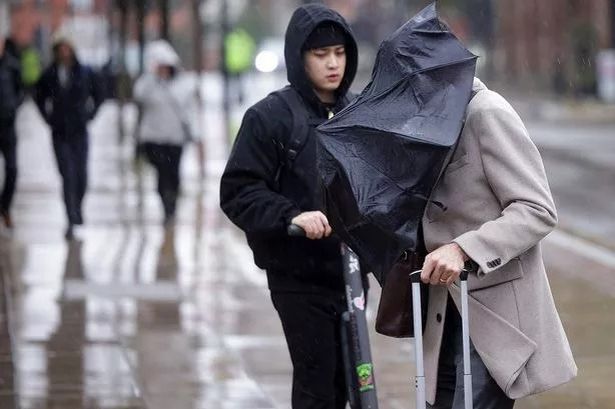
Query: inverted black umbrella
381	157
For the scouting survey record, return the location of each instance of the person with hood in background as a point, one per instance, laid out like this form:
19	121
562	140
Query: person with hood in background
270	181
11	96
163	126
68	97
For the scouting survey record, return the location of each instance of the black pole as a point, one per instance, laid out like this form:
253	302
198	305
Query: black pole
110	28
140	4
198	68
226	103
163	6
612	7
123	9
123	83
197	26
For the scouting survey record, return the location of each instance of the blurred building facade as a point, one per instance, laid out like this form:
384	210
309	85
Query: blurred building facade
540	44
552	44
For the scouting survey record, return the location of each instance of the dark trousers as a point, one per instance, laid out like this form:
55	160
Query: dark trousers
166	160
72	158
8	148
449	394
311	324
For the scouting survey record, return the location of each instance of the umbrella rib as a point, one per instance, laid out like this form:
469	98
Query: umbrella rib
383	174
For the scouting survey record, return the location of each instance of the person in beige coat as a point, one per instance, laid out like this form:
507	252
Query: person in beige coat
498	207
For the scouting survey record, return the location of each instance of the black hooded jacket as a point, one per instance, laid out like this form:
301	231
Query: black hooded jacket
249	193
68	110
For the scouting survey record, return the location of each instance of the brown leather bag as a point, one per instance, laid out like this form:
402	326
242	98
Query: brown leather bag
394	318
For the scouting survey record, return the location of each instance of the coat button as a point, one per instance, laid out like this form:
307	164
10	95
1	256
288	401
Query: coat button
439	317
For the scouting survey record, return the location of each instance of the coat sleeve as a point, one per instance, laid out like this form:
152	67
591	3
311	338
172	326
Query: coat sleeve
18	84
246	191
42	94
139	89
96	91
514	170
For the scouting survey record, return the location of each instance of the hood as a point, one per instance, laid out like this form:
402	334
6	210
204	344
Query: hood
160	52
64	36
302	23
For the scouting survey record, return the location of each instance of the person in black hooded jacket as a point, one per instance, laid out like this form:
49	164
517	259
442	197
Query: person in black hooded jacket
68	97
263	191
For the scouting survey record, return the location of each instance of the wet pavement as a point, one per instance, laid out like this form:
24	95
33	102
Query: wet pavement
132	315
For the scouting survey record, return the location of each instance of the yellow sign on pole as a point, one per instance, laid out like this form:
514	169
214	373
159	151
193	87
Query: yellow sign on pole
239	53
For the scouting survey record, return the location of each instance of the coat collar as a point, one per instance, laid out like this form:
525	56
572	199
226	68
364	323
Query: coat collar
478	85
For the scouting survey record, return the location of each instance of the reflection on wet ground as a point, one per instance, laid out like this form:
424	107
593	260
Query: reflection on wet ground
133	315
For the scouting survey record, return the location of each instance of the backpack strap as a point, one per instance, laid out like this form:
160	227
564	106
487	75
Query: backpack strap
292	144
301	124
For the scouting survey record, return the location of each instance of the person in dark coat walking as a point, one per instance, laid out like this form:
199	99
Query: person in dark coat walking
11	96
68	97
265	187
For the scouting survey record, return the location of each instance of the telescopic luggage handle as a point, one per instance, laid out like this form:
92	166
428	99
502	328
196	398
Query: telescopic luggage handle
415	279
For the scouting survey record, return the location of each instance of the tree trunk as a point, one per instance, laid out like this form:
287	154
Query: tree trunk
163	6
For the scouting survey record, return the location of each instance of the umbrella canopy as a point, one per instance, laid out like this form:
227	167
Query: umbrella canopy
381	157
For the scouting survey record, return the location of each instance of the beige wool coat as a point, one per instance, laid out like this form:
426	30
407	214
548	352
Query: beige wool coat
498	207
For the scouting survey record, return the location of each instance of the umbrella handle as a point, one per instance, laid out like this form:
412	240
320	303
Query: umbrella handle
294	230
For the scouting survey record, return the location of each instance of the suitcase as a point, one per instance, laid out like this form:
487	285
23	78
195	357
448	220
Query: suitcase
415	279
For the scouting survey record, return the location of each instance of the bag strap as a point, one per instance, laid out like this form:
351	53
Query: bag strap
299	135
301	126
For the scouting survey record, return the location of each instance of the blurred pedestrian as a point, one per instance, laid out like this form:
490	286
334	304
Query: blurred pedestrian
11	96
270	181
163	127
11	48
29	63
68	97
